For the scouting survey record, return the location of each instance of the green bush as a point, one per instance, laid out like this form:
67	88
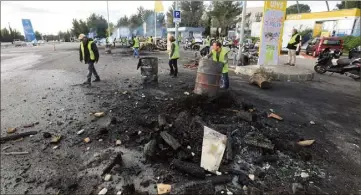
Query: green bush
350	42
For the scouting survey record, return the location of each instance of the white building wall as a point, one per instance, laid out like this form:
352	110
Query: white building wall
338	23
256	29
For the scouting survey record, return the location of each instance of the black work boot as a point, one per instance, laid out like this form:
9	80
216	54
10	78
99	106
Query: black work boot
97	79
87	82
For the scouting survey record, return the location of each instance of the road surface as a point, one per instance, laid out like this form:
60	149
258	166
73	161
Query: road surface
41	85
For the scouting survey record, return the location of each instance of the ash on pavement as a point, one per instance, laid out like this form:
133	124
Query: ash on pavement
45	89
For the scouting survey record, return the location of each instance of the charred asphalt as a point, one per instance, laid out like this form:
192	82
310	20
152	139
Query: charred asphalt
42	87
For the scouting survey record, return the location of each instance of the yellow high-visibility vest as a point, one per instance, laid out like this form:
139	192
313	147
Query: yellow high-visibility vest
91	53
150	40
176	51
293	39
136	42
224	52
208	42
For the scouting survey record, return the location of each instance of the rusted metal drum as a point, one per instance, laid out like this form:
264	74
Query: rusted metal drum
208	77
107	49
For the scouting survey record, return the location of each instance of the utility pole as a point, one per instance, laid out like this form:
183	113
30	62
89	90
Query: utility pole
242	30
176	24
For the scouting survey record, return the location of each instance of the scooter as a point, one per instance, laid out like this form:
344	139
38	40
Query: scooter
192	46
248	56
326	62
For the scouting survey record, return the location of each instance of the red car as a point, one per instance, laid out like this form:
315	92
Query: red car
318	44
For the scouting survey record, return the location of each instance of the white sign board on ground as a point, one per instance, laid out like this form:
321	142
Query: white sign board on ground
176	16
274	15
214	145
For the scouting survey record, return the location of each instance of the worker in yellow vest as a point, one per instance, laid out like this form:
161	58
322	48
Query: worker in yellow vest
124	41
150	39
220	54
89	53
136	46
173	57
208	44
292	47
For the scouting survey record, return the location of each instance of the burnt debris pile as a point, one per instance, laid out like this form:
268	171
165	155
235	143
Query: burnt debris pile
260	155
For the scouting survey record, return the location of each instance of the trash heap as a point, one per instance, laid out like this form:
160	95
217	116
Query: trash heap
161	143
257	158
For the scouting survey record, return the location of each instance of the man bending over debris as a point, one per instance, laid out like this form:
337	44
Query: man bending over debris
89	53
173	57
220	55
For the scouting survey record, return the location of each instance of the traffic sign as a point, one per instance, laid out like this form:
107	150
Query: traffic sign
176	16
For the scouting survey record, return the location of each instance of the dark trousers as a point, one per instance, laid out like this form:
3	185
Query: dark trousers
91	70
173	66
225	80
207	49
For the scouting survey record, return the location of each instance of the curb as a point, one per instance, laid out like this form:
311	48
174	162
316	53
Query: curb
280	73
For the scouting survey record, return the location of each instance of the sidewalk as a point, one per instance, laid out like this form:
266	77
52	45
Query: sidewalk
303	71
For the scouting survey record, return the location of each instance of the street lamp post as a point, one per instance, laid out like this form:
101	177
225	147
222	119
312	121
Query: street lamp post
176	24
107	45
108	19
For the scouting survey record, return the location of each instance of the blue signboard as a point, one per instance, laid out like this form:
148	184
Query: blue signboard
28	30
176	16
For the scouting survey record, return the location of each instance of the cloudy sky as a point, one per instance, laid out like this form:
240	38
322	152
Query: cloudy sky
51	16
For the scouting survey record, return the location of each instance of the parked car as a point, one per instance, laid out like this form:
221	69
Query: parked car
19	43
318	44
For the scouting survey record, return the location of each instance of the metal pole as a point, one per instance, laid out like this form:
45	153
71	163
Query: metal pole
328	7
108	48
108	20
155	27
298	7
242	30
176	24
